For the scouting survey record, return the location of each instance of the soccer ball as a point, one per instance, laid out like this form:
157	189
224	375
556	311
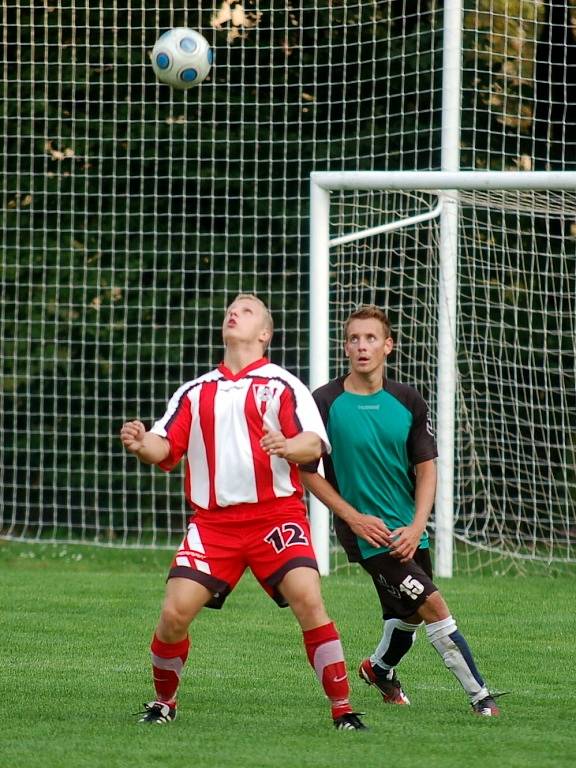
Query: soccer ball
182	58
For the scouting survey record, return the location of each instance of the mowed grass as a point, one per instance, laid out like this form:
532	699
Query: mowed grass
76	624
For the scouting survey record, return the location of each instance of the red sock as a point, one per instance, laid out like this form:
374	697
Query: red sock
325	654
168	659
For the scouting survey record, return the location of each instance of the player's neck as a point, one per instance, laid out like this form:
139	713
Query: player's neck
364	383
240	356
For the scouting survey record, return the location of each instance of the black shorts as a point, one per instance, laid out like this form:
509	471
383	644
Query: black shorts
401	587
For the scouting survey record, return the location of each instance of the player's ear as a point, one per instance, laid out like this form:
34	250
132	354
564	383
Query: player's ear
389	344
265	336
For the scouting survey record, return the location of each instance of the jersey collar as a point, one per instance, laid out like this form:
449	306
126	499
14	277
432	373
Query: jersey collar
342	379
227	373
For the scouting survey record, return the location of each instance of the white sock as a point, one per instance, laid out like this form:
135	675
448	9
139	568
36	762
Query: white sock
453	648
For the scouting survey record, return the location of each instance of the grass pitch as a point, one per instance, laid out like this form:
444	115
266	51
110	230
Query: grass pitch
76	624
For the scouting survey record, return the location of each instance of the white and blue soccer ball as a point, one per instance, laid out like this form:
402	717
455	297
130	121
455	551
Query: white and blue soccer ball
182	58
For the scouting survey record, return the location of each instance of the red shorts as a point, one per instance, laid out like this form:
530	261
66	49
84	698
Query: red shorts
218	548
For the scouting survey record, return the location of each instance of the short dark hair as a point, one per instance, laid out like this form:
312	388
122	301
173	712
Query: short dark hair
369	312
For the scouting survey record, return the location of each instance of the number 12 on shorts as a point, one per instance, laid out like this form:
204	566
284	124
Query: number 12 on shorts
287	535
411	587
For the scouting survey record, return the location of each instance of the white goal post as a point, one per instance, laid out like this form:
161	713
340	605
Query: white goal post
449	186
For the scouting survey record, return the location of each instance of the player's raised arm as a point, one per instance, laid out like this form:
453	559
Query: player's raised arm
148	447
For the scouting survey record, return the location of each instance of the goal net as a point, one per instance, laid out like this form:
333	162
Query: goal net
131	213
514	343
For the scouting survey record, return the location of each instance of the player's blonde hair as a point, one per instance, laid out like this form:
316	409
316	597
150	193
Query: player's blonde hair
253	297
369	312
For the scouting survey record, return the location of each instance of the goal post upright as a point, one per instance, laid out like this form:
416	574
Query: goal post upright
446	386
319	345
447	288
444	183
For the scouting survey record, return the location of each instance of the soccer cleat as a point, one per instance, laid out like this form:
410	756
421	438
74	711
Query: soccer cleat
157	712
486	707
390	689
350	722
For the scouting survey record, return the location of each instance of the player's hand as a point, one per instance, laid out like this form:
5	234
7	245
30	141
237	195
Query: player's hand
404	543
371	529
274	443
132	434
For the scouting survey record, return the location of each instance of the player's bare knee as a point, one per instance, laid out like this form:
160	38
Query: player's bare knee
173	622
309	617
434	608
308	608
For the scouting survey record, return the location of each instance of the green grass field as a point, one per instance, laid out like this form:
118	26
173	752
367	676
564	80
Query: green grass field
76	624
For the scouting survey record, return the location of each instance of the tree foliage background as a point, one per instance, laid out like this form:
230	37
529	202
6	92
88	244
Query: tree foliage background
132	213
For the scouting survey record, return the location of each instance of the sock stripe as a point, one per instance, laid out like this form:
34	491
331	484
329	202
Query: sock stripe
464	649
327	653
174	665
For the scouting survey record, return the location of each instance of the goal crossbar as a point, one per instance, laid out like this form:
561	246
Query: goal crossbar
431	180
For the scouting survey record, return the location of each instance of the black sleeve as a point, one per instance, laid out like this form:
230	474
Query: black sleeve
421	440
421	443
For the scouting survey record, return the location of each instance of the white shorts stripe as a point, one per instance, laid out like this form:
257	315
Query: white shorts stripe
194	540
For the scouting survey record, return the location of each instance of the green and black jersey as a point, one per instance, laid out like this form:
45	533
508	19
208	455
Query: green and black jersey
376	441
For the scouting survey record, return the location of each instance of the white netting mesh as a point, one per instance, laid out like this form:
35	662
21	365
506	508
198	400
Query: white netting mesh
132	213
517	394
515	484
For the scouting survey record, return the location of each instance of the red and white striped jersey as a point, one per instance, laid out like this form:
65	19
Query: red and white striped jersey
217	420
